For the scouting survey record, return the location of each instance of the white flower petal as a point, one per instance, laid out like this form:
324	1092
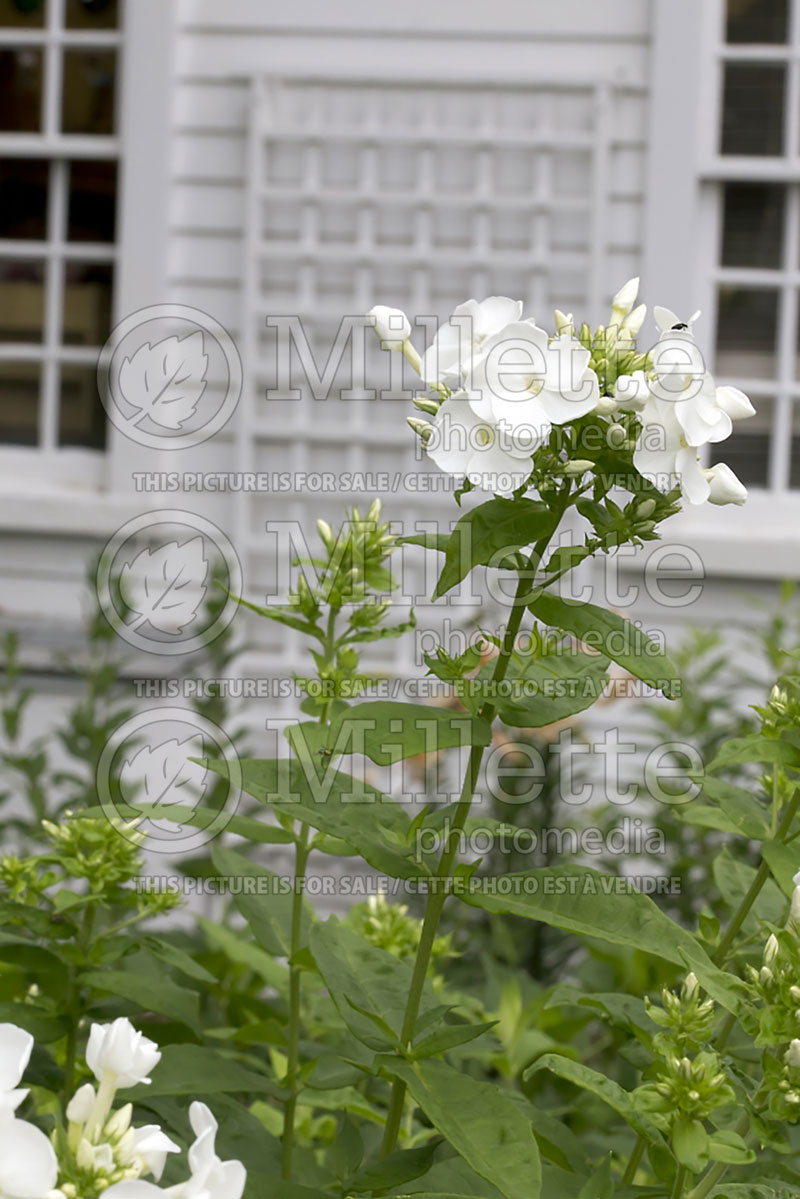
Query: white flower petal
152	1146
15	1052
80	1105
28	1166
392	326
495	313
120	1050
694	484
133	1189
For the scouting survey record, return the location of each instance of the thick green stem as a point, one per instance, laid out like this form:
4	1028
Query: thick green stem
302	852
634	1160
438	888
681	1179
293	1034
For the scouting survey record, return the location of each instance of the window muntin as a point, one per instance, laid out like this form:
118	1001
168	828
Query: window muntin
58	182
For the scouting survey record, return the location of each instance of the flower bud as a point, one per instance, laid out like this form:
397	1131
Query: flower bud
766	977
391	325
726	488
564	322
606	405
429	407
645	509
120	1121
735	403
625	299
645	526
326	533
690	983
792	1055
794	912
85	1155
634	320
771	950
578	466
423	428
80	1105
616	435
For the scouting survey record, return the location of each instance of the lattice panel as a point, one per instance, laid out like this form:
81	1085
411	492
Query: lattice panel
416	196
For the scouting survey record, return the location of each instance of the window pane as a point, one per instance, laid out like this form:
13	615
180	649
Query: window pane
87	304
23	198
752	119
794	469
92	14
757	20
88	94
92	201
81	418
747	324
21	13
752	233
20	90
21	300
747	450
19	403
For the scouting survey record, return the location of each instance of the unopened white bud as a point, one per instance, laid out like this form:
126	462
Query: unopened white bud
80	1105
391	325
690	983
564	322
634	320
616	435
326	533
766	977
120	1122
792	1055
578	466
606	405
771	950
625	299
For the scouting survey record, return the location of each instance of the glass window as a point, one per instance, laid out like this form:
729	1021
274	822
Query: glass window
92	14
753	103
20	90
747	330
92	201
752	224
87	303
88	97
21	300
23	198
747	450
757	21
16	14
20	386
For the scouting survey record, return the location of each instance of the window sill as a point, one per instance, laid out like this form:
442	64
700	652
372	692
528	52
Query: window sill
64	510
760	540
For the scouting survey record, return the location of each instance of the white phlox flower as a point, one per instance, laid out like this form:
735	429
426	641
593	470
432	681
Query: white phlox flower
459	341
467	445
28	1166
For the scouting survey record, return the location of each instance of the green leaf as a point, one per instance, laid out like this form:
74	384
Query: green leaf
593	904
756	748
725	1145
447	1037
734	879
263	899
388	732
165	951
484	535
196	1070
284	617
782	861
549	688
691	1145
601	1185
480	1120
257	831
745	813
148	992
429	541
403	1165
613	636
335	803
245	953
43	1026
618	1099
368	985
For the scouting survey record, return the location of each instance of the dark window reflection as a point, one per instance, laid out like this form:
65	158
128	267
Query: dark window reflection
87	303
20	14
92	201
757	21
747	450
747	330
752	119
20	90
88	93
91	14
82	420
19	403
752	231
21	300
23	198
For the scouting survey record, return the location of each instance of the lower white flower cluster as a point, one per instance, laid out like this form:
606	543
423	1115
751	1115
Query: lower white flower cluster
100	1152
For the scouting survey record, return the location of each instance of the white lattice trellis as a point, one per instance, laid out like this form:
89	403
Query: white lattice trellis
415	195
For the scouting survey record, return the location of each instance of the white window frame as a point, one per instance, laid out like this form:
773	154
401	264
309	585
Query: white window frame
681	268
50	488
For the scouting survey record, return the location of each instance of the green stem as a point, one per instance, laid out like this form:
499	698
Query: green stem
680	1182
302	852
73	1007
634	1159
438	887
